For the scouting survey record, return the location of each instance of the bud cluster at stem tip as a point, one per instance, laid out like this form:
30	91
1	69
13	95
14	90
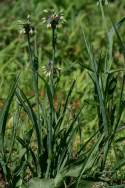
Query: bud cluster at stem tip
27	27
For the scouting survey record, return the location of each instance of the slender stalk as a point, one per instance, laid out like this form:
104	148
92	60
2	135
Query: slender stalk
50	125
53	42
53	60
36	91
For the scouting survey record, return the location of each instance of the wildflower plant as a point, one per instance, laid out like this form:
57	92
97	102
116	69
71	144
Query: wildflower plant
47	145
52	153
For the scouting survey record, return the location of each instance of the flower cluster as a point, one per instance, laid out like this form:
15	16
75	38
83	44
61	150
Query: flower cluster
27	27
47	69
53	19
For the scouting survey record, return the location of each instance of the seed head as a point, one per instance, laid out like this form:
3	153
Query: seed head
53	19
27	27
48	69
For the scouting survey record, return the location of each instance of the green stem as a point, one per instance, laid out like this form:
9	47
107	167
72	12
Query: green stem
36	91
53	42
51	119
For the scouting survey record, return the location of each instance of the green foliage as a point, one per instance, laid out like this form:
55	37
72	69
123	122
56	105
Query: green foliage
53	142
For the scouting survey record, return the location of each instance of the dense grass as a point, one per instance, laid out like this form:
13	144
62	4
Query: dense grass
65	129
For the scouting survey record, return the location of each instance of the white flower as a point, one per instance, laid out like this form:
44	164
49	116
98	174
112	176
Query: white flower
53	19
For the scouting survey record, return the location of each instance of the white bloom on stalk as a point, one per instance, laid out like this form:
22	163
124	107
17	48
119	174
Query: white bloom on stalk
47	69
53	19
27	27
